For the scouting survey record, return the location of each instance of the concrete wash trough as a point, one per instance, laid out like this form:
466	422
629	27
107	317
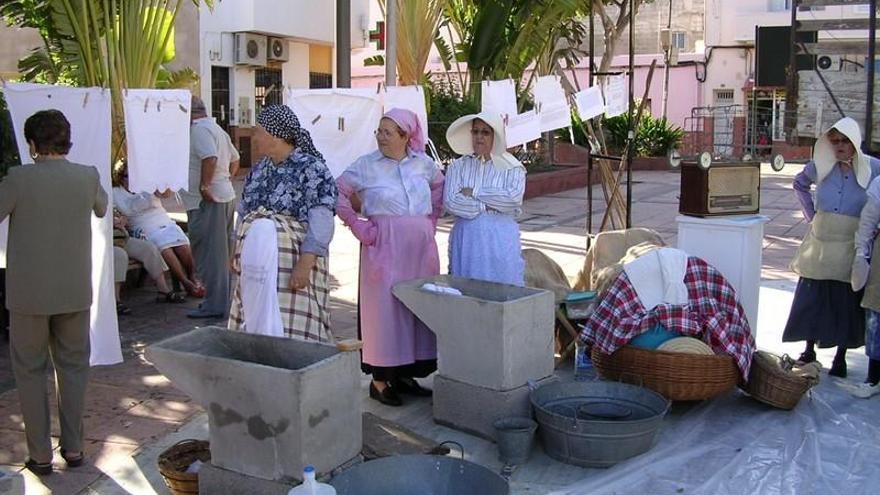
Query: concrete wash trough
274	405
491	341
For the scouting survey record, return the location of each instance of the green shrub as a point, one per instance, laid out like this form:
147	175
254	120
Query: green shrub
445	105
8	149
654	136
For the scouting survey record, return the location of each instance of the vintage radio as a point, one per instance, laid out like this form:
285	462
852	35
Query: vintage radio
724	188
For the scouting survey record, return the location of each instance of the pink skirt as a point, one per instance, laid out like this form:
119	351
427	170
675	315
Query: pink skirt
405	249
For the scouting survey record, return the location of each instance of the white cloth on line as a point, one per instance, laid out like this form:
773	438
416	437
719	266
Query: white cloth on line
590	103
658	277
259	280
522	128
411	98
88	111
341	122
157	138
552	105
615	96
499	97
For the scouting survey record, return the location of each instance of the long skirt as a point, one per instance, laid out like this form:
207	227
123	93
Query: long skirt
828	312
393	337
262	295
487	248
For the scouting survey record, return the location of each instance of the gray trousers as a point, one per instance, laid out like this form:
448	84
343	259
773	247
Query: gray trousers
210	233
33	340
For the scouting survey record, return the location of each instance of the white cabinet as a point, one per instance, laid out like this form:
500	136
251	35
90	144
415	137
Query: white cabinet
732	245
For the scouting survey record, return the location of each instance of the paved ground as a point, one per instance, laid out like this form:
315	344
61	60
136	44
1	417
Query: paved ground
134	412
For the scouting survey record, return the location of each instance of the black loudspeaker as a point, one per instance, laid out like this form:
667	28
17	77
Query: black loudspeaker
773	48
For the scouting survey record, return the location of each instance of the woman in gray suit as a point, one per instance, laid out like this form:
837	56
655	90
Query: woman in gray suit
49	288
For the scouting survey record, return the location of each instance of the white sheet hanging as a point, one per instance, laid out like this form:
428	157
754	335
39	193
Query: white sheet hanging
88	110
522	128
411	98
157	136
551	103
341	122
500	97
615	96
590	103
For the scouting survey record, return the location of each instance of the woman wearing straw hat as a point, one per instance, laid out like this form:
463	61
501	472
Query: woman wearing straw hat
281	244
826	310
484	190
399	191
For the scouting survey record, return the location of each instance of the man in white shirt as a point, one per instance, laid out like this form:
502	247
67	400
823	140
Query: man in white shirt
213	160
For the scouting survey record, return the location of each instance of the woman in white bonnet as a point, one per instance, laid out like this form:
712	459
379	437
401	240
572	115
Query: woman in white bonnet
826	311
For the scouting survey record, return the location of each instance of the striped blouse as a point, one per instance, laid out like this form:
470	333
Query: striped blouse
494	190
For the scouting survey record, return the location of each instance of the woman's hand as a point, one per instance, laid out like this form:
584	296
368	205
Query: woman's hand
299	279
467	191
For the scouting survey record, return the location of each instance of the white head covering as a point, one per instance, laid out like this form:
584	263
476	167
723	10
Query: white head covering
825	159
459	138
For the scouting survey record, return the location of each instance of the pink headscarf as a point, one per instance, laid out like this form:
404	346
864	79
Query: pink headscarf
408	123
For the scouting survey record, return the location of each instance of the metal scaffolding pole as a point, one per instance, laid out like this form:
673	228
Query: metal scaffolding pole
343	43
391	43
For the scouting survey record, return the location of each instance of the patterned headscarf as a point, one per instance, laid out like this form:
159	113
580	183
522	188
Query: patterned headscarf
281	122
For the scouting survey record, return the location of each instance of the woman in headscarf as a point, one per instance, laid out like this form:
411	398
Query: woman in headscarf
400	191
484	190
281	244
826	310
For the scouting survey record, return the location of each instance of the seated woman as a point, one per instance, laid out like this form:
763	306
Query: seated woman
400	191
126	247
148	219
282	242
484	190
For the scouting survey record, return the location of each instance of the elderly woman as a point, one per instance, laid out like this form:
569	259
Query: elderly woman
400	192
282	242
826	310
484	190
147	219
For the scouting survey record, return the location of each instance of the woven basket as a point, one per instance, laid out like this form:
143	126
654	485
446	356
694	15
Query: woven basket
174	461
771	384
674	375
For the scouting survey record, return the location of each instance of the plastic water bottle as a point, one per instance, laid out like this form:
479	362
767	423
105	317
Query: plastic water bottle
583	367
310	486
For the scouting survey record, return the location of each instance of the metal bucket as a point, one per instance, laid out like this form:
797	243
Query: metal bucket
514	436
419	475
597	424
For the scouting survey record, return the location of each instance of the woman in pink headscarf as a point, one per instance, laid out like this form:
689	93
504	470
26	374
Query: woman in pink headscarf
399	191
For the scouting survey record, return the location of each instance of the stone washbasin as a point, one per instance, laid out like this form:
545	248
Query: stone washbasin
274	404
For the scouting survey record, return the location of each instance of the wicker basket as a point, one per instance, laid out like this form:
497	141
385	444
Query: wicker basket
773	385
174	461
674	375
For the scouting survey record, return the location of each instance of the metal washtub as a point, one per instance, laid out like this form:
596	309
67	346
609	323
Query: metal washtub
419	475
597	424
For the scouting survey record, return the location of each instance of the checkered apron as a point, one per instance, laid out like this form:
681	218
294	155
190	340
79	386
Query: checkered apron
304	313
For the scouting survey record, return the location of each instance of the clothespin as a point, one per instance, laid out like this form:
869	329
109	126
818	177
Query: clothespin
159	106
146	104
86	100
379	87
181	107
316	119
506	119
342	124
3	81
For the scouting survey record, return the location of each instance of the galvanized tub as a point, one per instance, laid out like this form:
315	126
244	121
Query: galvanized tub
597	424
419	475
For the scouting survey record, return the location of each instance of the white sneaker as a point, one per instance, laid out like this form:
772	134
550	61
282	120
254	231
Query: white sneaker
865	390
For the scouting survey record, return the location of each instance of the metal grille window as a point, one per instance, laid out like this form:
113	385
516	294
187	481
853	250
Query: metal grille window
220	97
320	80
678	39
267	88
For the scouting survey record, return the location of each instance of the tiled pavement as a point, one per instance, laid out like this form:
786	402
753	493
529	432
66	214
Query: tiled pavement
134	411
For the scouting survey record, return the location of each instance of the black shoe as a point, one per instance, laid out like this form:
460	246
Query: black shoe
38	468
387	396
410	386
807	357
73	460
838	368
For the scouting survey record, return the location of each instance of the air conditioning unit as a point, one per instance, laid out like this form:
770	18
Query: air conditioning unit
828	63
250	49
279	49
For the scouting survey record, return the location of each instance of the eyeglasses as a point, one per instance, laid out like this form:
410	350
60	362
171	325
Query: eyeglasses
838	142
481	132
383	133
